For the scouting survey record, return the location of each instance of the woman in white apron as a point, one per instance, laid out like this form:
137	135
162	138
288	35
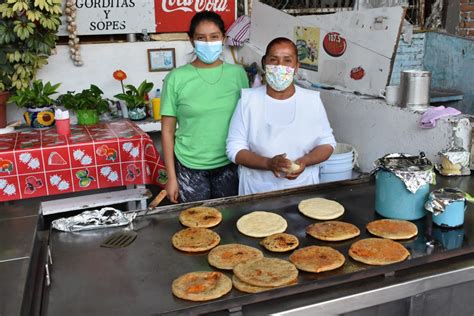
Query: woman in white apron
276	124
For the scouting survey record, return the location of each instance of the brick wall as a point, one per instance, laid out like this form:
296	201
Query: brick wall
466	19
408	56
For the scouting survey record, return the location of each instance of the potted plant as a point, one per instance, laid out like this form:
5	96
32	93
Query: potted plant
136	99
27	35
87	104
36	98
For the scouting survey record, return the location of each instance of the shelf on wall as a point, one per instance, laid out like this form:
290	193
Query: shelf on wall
445	95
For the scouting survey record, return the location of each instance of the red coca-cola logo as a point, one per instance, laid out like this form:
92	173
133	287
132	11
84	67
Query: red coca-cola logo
175	15
357	73
334	44
194	5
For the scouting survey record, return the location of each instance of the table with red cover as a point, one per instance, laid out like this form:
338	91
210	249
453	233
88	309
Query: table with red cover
40	162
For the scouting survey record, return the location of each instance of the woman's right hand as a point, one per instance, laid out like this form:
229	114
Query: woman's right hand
279	165
172	188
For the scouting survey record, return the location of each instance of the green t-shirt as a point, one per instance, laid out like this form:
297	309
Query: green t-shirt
203	101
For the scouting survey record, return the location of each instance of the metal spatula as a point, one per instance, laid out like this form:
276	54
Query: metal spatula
126	237
120	239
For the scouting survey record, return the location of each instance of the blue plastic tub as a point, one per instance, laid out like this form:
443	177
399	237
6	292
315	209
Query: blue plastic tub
393	200
453	215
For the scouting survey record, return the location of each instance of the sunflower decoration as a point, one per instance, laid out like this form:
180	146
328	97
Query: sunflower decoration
45	118
39	119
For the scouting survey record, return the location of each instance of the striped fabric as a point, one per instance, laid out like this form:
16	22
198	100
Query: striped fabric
239	32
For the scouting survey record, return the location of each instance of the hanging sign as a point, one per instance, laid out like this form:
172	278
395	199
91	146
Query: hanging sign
94	17
176	15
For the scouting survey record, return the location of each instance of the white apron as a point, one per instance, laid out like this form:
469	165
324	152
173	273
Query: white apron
296	139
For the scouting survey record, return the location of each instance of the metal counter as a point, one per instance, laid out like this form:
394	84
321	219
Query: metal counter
88	279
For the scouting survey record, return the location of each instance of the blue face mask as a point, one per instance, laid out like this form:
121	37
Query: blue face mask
208	52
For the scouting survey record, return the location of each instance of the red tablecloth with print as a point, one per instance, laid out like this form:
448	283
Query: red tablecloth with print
40	162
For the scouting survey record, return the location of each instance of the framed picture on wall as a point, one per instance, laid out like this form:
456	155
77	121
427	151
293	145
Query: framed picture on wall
161	59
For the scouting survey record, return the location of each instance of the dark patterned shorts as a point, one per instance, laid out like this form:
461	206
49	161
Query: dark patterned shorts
197	185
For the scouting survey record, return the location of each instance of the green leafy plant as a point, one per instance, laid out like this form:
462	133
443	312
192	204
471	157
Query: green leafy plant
135	97
27	35
88	99
37	95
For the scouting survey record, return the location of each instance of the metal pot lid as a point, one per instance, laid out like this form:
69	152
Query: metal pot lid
404	162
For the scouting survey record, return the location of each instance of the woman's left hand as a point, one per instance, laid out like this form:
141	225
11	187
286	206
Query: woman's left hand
294	175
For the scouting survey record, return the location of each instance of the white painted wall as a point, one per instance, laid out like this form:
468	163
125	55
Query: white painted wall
375	128
101	60
370	44
372	126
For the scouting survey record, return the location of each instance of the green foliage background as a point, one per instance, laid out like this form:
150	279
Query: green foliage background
27	34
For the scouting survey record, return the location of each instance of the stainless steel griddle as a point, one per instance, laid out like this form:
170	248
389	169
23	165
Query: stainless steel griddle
88	279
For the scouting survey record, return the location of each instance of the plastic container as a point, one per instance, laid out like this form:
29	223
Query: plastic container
156	104
339	166
63	126
87	117
393	200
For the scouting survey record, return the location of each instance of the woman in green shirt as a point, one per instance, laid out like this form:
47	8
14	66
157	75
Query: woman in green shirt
197	104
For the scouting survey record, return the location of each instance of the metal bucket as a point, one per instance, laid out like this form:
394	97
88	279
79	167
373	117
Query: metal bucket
415	89
393	200
453	216
448	206
402	185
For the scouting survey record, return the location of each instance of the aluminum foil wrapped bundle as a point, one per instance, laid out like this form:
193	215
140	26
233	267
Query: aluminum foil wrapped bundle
439	199
88	220
414	171
454	162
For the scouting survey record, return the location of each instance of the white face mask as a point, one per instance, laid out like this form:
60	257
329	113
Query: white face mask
279	77
208	52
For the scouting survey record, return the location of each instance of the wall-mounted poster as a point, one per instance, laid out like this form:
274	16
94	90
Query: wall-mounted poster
161	59
307	41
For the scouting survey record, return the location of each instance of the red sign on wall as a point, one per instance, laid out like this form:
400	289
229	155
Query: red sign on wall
176	15
334	44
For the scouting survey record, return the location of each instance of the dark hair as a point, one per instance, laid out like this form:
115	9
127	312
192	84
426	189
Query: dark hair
276	41
205	16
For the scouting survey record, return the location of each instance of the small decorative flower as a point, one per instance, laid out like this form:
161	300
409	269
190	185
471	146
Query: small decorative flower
120	75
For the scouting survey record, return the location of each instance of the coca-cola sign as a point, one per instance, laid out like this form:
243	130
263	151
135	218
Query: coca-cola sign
175	15
334	44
